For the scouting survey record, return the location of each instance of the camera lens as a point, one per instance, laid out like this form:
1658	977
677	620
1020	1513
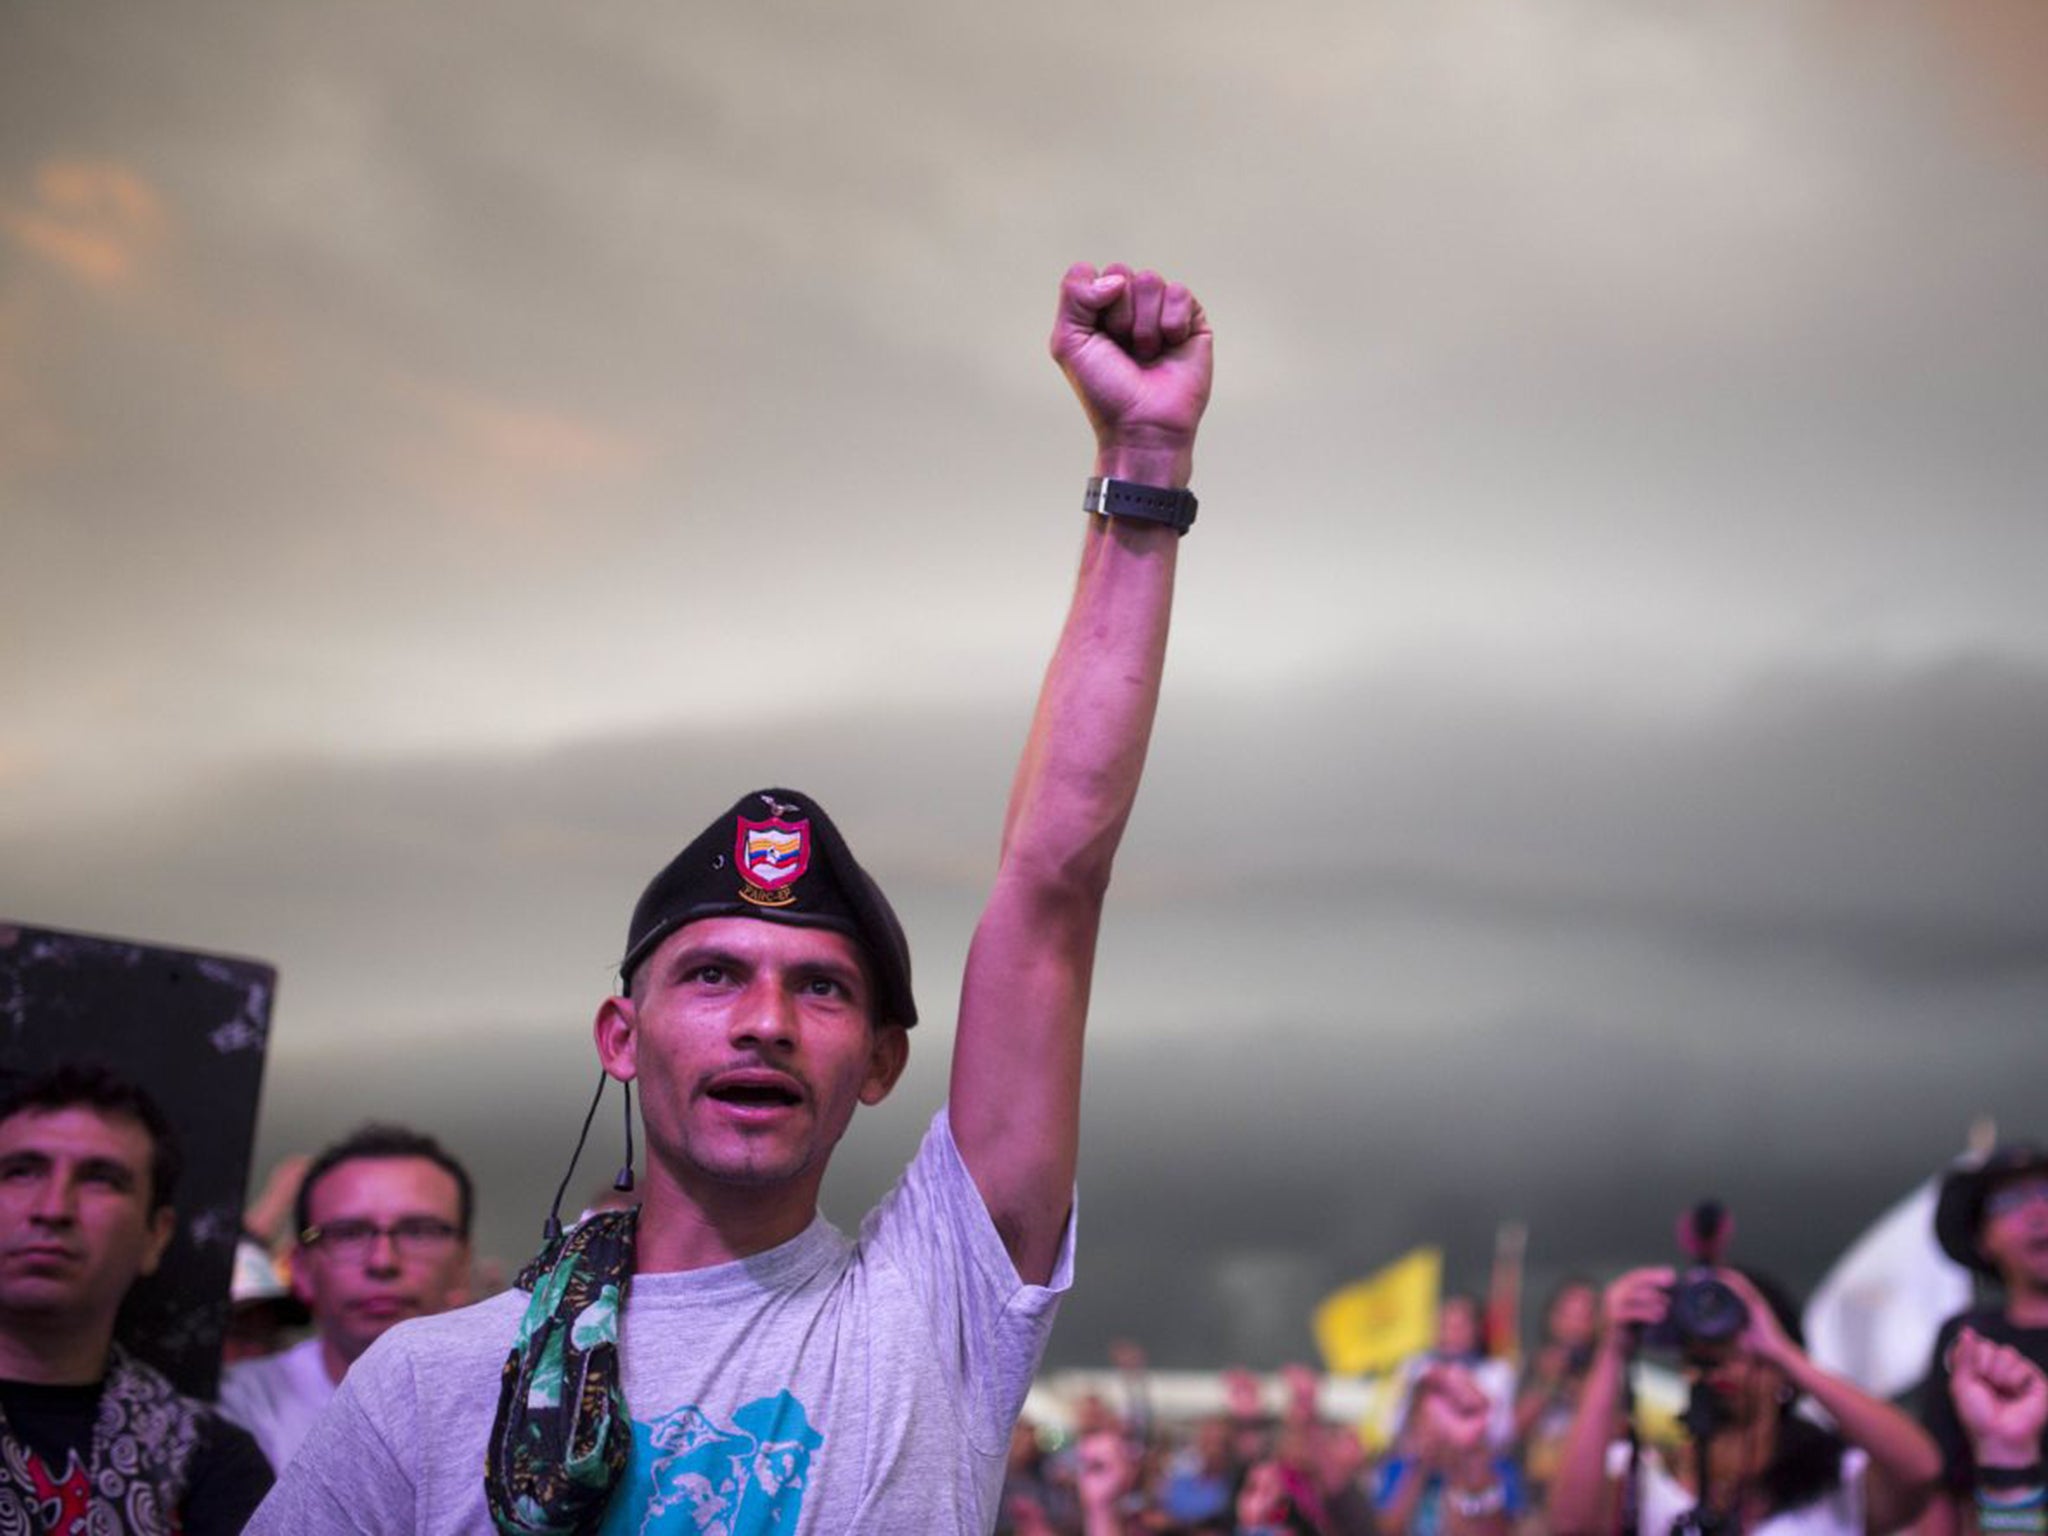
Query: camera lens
1704	1311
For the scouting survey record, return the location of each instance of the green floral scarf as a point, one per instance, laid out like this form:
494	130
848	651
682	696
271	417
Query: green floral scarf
558	1445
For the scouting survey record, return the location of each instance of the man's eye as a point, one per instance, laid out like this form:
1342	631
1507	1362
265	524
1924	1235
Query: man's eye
422	1229
348	1231
708	975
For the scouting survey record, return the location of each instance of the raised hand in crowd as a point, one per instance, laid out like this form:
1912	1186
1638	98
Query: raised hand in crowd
2002	1398
1449	1414
1445	1459
267	1215
1137	350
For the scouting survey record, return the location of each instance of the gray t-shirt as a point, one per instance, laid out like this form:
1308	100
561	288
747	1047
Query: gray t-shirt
826	1385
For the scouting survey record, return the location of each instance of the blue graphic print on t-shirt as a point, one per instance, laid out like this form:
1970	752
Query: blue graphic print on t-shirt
688	1474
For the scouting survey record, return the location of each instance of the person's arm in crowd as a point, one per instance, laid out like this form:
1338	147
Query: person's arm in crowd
1137	351
1455	1416
1904	1461
2002	1399
1398	1503
1582	1494
270	1212
1943	1515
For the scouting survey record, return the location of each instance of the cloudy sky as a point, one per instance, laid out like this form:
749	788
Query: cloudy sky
447	452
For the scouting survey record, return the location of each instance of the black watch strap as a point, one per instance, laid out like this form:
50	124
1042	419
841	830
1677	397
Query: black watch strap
2010	1477
1147	503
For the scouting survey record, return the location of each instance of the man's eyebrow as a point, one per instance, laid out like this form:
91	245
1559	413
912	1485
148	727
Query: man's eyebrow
691	956
24	1157
109	1168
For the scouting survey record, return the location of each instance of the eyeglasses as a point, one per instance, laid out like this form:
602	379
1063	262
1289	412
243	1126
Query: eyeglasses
2007	1198
413	1237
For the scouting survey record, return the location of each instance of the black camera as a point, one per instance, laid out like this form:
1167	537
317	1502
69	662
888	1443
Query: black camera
1705	1314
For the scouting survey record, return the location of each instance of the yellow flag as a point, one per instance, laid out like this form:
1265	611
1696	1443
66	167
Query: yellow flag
1375	1323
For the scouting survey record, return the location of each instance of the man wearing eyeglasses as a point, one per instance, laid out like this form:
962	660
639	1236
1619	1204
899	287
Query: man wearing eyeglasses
383	1223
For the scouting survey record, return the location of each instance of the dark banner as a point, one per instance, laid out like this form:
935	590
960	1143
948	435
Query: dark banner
192	1029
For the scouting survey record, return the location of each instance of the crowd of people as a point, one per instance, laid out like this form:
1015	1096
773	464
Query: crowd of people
374	1230
1769	1441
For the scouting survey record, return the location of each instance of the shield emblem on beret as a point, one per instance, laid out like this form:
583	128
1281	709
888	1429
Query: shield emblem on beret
771	855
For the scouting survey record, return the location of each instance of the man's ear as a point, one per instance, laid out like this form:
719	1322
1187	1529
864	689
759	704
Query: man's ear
616	1029
163	1225
888	1054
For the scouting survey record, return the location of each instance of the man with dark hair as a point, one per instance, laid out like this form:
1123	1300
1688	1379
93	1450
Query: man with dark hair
1992	1217
383	1235
90	1437
725	1358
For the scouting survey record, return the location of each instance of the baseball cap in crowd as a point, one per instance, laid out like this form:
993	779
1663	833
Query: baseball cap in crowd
1959	1213
777	856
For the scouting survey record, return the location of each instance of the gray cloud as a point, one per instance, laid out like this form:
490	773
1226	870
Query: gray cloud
447	452
1440	962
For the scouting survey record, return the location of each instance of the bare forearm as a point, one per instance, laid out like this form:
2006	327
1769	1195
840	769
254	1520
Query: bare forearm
1903	1456
1078	777
1581	1494
1399	1510
1017	1062
1136	350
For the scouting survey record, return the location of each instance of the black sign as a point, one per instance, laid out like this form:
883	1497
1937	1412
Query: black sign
192	1029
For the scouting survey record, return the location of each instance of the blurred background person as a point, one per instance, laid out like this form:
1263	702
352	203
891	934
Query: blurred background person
1992	1219
383	1235
1548	1395
1770	1469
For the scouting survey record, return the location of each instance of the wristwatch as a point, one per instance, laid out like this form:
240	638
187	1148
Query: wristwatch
1145	503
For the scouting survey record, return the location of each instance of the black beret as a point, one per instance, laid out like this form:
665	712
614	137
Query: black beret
777	856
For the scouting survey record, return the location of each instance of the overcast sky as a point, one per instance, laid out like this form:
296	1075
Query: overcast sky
449	452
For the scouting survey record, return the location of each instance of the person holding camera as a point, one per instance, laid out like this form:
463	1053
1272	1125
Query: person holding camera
1761	1466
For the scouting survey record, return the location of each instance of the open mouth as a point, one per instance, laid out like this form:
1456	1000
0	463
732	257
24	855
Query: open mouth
763	1092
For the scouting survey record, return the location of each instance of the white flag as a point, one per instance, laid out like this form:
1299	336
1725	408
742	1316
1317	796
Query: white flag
1874	1317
